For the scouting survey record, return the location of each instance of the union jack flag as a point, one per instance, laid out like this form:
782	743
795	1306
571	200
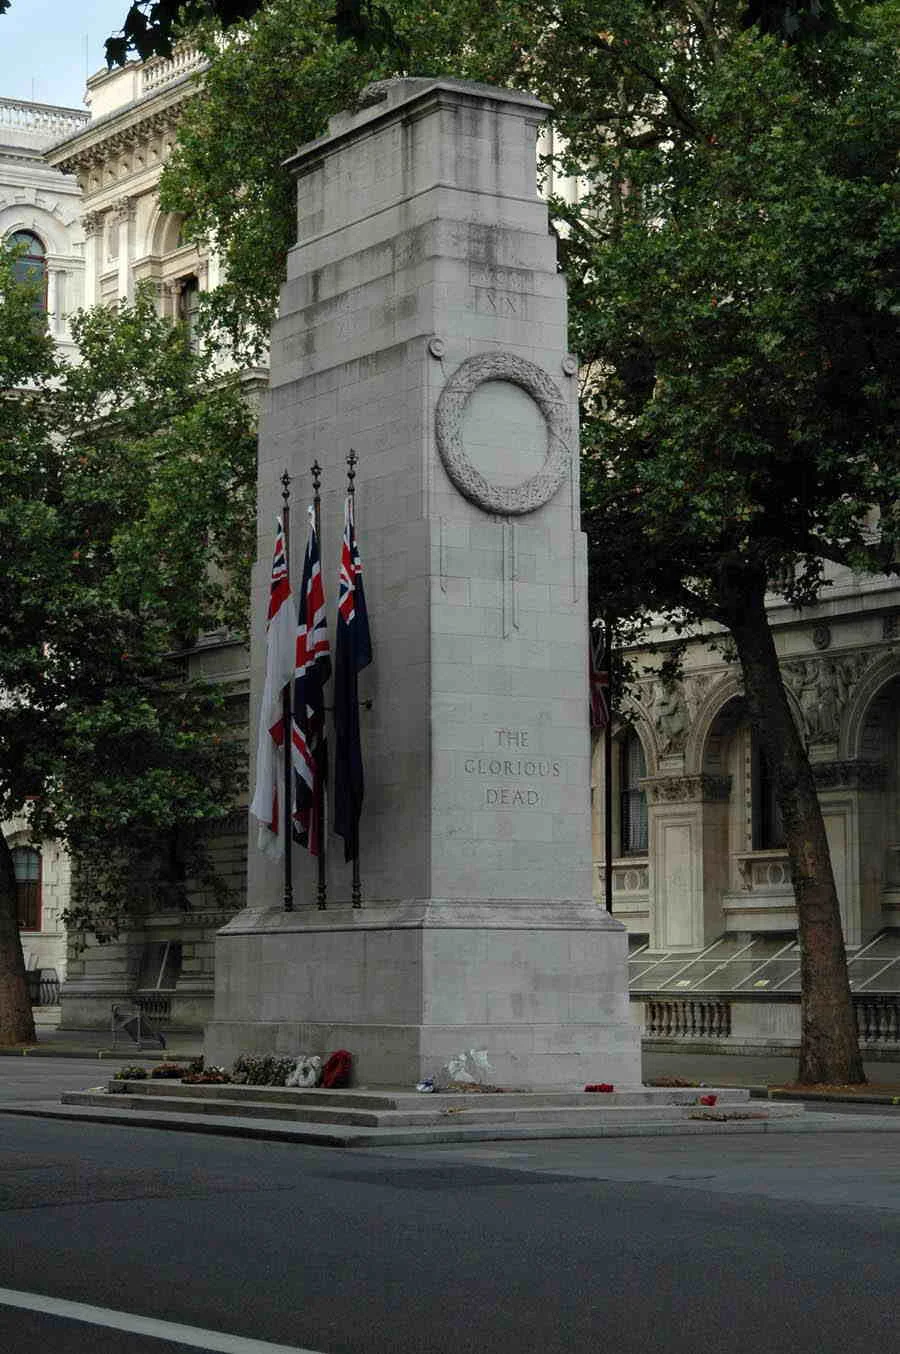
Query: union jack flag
353	652
598	678
312	671
280	642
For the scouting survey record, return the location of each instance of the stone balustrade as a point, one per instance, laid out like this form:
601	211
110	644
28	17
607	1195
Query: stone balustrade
161	71
878	1018
687	1019
764	871
39	122
631	879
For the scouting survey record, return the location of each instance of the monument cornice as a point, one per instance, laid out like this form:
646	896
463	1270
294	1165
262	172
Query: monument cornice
429	914
371	117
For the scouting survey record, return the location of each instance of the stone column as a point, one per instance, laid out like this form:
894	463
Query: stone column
688	865
423	324
124	211
850	793
92	225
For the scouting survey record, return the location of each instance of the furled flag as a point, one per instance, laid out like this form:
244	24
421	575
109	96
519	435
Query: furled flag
599	679
352	653
312	672
281	631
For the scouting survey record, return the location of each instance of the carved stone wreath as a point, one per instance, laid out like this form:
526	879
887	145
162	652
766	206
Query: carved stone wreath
451	407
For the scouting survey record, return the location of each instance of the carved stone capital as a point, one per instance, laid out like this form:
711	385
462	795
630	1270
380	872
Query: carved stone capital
848	775
683	789
92	224
449	415
124	209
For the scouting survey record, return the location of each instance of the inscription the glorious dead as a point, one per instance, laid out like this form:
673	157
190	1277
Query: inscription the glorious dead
522	767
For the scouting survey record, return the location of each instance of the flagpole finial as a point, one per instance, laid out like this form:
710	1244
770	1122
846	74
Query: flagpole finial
316	470
352	460
285	488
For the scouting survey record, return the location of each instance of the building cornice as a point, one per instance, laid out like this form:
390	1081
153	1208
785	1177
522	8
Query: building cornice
124	128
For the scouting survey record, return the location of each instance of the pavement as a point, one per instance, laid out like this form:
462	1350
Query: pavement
52	1042
760	1071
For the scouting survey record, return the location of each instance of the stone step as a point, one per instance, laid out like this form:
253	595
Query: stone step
431	1116
450	1130
414	1101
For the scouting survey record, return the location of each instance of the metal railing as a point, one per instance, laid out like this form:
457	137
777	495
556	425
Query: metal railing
131	1022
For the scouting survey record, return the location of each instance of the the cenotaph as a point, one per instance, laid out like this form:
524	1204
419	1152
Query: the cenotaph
423	324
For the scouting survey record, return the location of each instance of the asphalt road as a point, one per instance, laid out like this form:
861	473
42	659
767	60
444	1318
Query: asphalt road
783	1243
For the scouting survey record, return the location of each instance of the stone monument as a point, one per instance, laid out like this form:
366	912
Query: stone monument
423	324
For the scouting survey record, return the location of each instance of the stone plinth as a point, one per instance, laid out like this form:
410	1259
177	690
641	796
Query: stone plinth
423	324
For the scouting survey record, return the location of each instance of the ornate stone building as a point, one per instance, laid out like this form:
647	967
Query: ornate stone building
40	210
113	158
116	158
700	871
40	207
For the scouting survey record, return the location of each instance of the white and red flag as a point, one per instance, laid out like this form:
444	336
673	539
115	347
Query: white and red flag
313	670
267	806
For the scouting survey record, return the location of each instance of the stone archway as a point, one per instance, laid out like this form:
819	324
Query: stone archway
875	731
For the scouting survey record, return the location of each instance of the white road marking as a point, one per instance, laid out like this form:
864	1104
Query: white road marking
145	1325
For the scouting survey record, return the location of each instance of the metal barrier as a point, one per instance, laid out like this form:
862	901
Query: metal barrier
129	1019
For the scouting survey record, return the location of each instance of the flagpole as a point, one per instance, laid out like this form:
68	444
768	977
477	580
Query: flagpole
287	717
608	768
356	889
320	808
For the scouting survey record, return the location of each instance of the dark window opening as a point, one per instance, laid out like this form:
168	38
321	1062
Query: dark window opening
160	966
27	870
768	827
632	799
188	307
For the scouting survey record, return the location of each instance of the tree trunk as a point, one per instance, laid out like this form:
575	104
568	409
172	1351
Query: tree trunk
829	1047
16	1019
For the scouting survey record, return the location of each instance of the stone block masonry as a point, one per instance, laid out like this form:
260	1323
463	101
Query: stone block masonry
423	324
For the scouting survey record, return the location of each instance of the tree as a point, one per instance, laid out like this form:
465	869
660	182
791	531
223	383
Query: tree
152	27
26	352
734	282
126	515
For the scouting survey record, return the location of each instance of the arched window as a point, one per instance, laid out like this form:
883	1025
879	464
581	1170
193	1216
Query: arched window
31	266
27	869
632	799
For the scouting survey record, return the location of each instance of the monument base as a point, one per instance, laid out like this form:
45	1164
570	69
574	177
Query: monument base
405	986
